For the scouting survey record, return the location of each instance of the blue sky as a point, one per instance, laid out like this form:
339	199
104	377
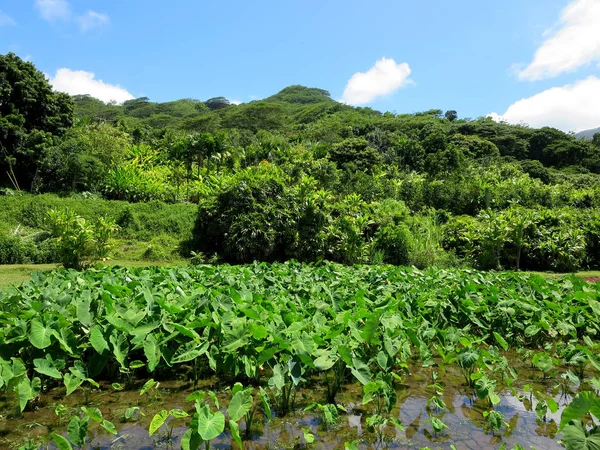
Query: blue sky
477	57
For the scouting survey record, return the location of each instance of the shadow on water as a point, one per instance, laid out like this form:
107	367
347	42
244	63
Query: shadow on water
464	416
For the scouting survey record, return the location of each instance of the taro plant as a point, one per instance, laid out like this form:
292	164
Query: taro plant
206	424
285	382
161	417
78	429
244	405
576	436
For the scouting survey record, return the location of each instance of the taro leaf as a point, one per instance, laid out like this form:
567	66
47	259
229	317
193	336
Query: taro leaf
46	367
71	382
501	341
93	413
40	335
237	387
97	339
188	352
109	426
234	428
370	328
582	404
576	437
351	445
31	389
383	360
308	436
264	399
77	430
295	369
361	371
83	311
120	348
324	362
277	378
158	421
214	398
147	386
188	332
61	442
152	352
210	425
240	405
467	358
129	412
178	413
196	395
191	440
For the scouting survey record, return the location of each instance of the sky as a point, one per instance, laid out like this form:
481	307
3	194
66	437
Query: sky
522	61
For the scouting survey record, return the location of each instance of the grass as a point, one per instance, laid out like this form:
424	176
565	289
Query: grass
15	274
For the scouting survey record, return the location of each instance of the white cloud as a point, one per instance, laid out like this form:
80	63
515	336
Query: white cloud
6	20
385	77
92	19
235	102
573	43
79	82
54	10
573	107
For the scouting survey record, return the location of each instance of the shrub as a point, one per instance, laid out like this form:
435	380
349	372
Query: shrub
396	242
80	243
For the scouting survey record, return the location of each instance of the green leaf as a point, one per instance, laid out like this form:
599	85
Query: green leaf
240	405
147	386
210	425
234	428
152	352
72	382
97	339
576	437
158	421
500	340
264	399
308	436
120	348
178	413
78	430
361	371
61	442
93	413
109	426
40	335
45	367
191	440
578	408
324	362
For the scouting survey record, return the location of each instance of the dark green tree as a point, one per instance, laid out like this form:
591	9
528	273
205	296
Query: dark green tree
31	115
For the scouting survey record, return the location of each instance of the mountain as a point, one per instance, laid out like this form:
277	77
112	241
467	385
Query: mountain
587	134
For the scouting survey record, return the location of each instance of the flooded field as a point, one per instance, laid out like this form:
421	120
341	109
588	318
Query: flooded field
464	416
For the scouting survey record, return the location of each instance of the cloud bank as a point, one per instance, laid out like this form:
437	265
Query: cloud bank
384	78
575	42
79	82
574	107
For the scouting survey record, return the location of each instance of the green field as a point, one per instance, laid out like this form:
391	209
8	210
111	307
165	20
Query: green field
242	350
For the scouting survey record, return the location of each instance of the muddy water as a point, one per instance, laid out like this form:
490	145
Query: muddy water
463	415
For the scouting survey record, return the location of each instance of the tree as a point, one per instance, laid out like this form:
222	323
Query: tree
217	103
451	115
355	154
31	114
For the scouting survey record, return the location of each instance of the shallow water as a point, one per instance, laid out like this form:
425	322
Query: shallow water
463	415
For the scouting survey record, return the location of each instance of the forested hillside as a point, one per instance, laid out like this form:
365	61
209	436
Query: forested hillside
301	176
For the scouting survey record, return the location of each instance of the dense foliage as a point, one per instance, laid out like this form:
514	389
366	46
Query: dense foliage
301	176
